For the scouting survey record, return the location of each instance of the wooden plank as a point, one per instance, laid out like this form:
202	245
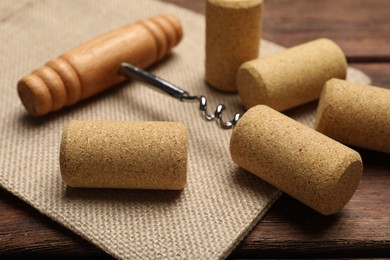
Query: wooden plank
361	27
378	72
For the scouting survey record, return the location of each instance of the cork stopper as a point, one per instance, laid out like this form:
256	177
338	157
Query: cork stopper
318	171
292	77
355	114
233	31
93	66
123	154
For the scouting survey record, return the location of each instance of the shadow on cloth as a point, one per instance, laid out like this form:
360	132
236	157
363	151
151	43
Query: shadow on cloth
150	197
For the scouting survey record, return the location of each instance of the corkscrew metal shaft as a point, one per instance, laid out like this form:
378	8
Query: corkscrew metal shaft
170	89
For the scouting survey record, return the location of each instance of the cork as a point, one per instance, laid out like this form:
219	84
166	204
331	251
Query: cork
354	114
311	167
233	30
124	154
94	66
292	77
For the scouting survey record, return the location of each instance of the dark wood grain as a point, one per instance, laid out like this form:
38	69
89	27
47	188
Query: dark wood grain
378	72
289	229
361	27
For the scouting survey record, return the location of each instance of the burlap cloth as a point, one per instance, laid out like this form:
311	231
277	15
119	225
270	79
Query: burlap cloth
220	203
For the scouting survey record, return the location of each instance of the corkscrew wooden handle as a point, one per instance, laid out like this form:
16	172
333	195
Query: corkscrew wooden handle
93	66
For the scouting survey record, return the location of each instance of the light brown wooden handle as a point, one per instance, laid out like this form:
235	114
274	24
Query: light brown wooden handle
93	66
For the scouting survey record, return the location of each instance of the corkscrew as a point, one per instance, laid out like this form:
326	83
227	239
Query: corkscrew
161	85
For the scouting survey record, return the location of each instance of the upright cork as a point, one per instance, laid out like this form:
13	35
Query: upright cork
292	77
93	66
354	114
309	166
233	30
124	154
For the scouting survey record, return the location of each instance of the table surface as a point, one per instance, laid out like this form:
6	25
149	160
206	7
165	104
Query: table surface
289	229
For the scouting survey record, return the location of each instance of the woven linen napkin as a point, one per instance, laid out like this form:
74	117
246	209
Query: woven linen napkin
220	203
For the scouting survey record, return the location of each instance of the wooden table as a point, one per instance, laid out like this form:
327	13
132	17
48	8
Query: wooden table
289	229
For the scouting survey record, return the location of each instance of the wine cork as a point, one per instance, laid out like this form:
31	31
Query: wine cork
311	167
292	77
123	154
94	66
354	114
233	30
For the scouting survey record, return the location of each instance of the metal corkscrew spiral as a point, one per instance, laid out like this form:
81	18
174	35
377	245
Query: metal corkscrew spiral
168	88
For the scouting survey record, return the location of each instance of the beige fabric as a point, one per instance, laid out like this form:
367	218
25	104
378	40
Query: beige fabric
220	203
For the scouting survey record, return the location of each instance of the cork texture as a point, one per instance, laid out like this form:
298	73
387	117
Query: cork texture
124	154
355	114
233	30
307	165
292	77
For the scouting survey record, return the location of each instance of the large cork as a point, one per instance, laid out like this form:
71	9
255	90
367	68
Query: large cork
93	67
354	114
311	167
123	154
233	30
292	77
